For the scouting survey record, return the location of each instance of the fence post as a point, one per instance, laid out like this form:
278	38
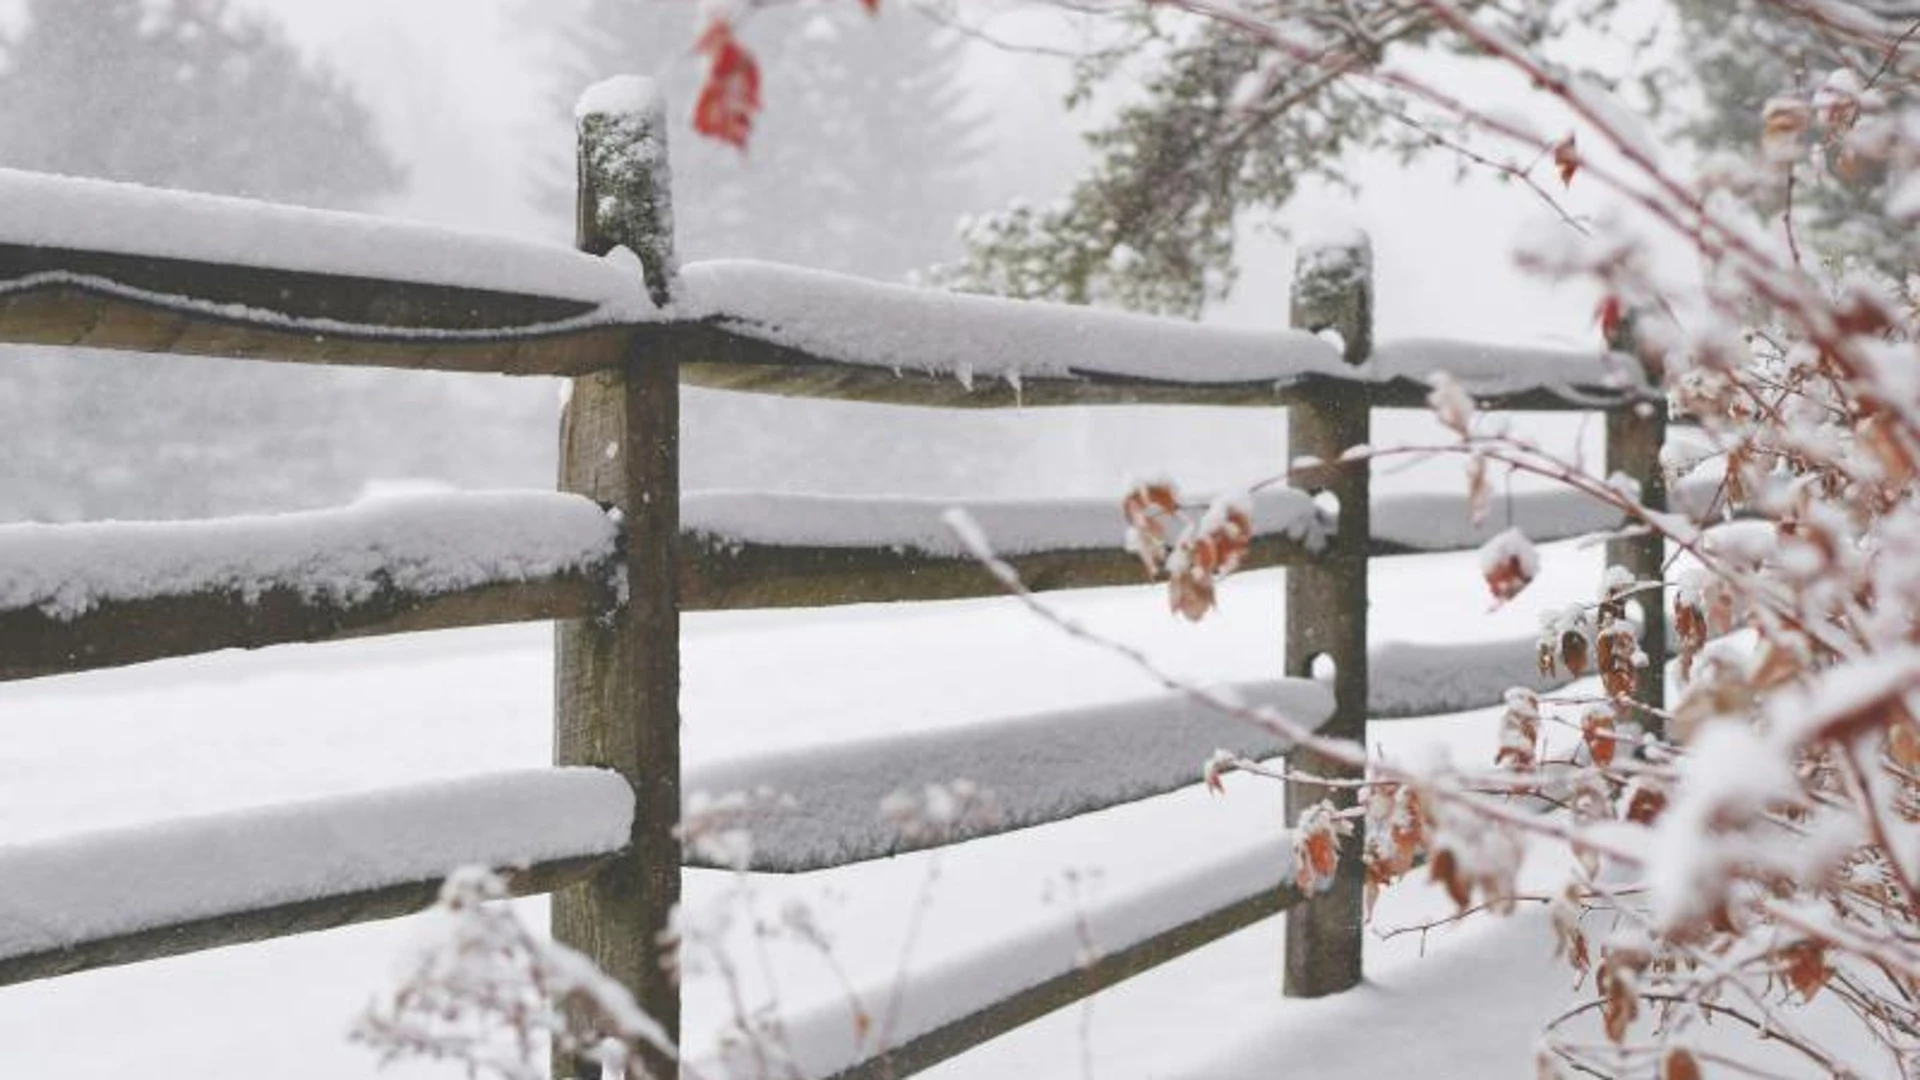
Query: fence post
617	678
1635	433
1327	598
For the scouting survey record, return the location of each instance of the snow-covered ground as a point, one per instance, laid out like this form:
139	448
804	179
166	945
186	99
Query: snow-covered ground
231	731
227	732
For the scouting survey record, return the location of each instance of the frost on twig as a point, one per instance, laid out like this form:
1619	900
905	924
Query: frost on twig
484	991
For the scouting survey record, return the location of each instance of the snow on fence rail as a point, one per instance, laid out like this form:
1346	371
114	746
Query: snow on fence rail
109	266
75	597
788	330
1038	769
955	1007
120	266
125	895
87	596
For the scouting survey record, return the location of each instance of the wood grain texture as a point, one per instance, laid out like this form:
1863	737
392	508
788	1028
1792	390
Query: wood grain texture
35	644
718	574
617	678
734	358
1327	613
79	316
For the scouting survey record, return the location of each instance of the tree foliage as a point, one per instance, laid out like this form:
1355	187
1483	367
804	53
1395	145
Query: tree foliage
1750	846
188	94
1221	130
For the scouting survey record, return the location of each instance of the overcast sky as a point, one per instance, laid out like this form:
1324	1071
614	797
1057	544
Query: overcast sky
459	96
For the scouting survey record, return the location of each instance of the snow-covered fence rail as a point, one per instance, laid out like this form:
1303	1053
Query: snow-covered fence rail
145	892
74	597
808	333
617	555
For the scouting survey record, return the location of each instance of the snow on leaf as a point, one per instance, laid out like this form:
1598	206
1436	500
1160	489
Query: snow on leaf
1519	730
1316	847
1151	510
1450	403
1509	564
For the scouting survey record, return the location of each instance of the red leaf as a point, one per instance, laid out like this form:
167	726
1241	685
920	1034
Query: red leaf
872	6
1597	729
1508	562
730	97
1566	160
1609	313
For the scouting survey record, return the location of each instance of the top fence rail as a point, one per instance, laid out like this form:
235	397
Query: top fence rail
115	266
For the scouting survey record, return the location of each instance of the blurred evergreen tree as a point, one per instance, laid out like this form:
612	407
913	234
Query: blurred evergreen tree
863	161
184	94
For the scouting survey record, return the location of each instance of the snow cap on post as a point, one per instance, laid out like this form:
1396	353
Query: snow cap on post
625	183
1333	290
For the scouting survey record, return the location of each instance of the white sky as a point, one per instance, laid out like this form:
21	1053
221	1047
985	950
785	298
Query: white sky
458	95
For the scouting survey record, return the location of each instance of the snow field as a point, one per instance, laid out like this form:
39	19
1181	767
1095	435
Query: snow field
222	733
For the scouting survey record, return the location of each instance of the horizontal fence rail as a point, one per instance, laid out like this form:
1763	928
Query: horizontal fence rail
79	597
1013	982
127	895
115	266
738	550
1038	769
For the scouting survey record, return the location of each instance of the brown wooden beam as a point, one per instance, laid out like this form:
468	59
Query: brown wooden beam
734	358
280	920
35	644
718	574
73	315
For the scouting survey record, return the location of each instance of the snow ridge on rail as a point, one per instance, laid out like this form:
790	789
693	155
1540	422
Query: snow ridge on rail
46	211
421	544
1417	521
63	893
825	1041
848	320
853	321
1037	769
1015	526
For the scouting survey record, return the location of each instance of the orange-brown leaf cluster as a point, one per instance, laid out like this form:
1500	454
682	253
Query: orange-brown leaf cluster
1152	512
1566	160
1316	847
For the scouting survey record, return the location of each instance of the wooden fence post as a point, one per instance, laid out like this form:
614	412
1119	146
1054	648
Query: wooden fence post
1635	434
1327	599
617	678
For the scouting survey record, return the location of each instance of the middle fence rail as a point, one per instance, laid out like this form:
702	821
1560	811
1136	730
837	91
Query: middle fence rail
617	555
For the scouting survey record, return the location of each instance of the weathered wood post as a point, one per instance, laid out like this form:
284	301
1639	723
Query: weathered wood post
1327	598
1635	432
617	678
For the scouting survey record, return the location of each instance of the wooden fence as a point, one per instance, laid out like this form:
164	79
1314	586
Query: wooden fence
617	607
